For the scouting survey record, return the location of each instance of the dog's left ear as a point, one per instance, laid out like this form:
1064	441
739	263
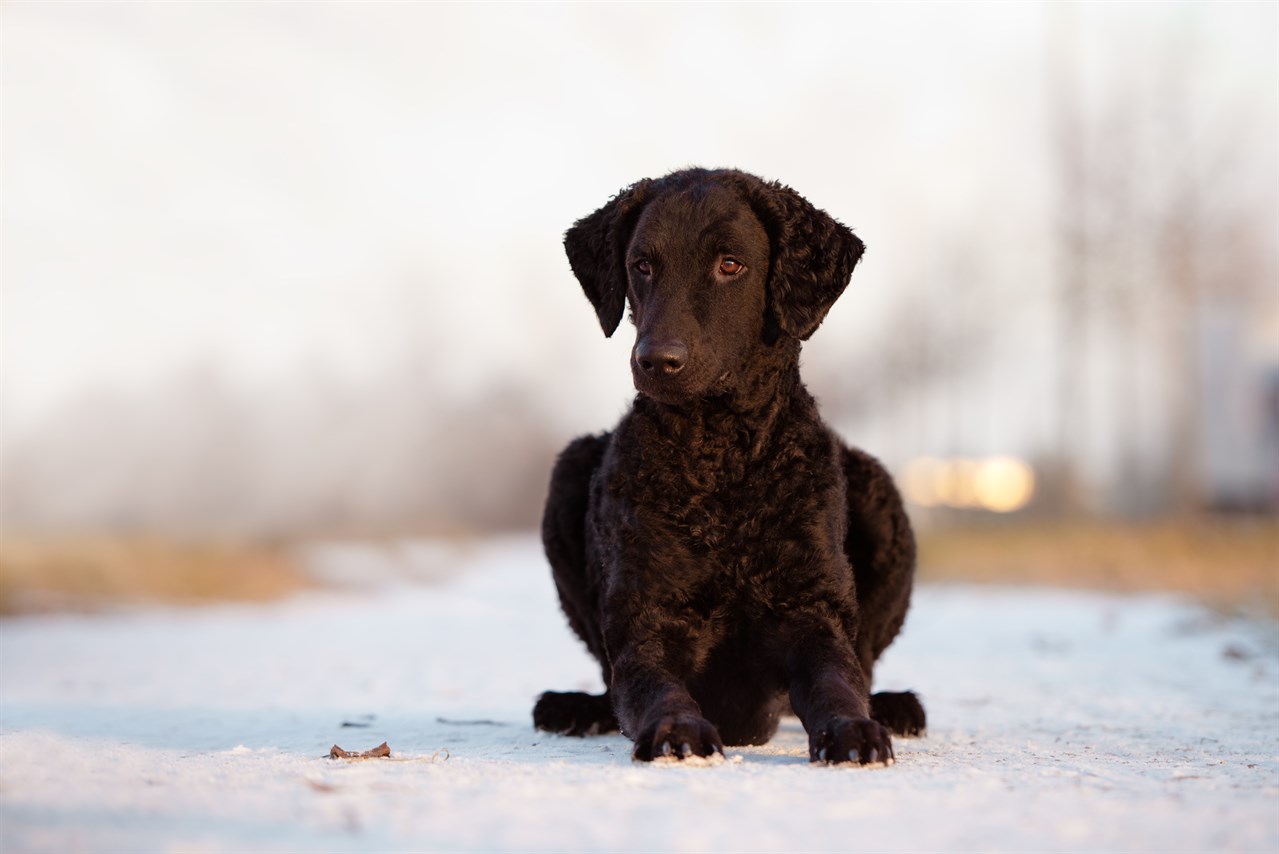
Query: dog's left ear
596	248
812	257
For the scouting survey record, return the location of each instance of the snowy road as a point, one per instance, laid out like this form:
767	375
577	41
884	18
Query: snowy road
1058	721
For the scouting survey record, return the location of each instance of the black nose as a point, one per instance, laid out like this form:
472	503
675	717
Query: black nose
661	358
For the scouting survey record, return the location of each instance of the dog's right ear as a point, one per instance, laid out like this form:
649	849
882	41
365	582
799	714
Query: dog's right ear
596	247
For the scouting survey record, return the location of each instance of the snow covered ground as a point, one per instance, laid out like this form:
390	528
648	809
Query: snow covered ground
1058	721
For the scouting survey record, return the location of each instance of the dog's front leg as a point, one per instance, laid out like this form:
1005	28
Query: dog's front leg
655	708
828	692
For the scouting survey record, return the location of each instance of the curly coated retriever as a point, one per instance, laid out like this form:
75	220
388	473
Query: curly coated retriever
722	553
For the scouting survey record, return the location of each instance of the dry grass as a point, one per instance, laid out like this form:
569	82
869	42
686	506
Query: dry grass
89	573
1231	564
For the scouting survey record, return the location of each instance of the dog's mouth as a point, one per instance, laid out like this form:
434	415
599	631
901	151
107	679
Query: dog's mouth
681	390
664	391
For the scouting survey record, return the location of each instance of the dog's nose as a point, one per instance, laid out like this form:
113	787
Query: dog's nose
661	358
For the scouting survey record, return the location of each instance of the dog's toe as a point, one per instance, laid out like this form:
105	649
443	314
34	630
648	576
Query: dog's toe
859	740
678	736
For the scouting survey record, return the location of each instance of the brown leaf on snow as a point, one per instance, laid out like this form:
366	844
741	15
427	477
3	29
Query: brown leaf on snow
379	752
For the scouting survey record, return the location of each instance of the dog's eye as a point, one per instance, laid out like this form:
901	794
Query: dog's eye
644	268
731	266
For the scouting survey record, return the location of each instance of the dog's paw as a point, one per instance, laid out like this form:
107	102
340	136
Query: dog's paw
678	736
574	713
859	740
901	712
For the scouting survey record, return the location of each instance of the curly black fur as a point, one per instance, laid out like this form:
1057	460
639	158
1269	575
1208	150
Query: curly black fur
721	553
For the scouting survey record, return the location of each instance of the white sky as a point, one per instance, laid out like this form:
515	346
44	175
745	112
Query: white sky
269	187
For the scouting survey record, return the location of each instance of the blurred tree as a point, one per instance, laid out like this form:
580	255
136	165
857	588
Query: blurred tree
1149	199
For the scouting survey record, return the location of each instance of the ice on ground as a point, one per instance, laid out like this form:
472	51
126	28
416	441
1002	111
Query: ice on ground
1057	721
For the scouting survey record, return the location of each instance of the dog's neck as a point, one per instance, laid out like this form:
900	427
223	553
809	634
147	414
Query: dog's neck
754	402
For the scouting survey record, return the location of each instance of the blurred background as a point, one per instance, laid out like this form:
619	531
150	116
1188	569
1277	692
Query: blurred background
279	274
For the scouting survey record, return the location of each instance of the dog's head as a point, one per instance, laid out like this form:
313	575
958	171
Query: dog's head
715	264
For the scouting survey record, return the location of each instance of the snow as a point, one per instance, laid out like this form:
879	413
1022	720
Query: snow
1058	721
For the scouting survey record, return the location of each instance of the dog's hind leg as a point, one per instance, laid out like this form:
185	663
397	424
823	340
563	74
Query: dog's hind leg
564	538
574	713
881	548
900	711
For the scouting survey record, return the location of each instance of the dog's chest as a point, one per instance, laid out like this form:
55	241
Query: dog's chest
737	505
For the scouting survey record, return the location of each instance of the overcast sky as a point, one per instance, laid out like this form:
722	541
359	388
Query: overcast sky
270	188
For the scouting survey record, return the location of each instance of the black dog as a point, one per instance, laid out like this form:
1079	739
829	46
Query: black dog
721	551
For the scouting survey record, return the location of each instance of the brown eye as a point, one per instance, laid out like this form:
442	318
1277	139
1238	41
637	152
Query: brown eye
731	267
645	268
